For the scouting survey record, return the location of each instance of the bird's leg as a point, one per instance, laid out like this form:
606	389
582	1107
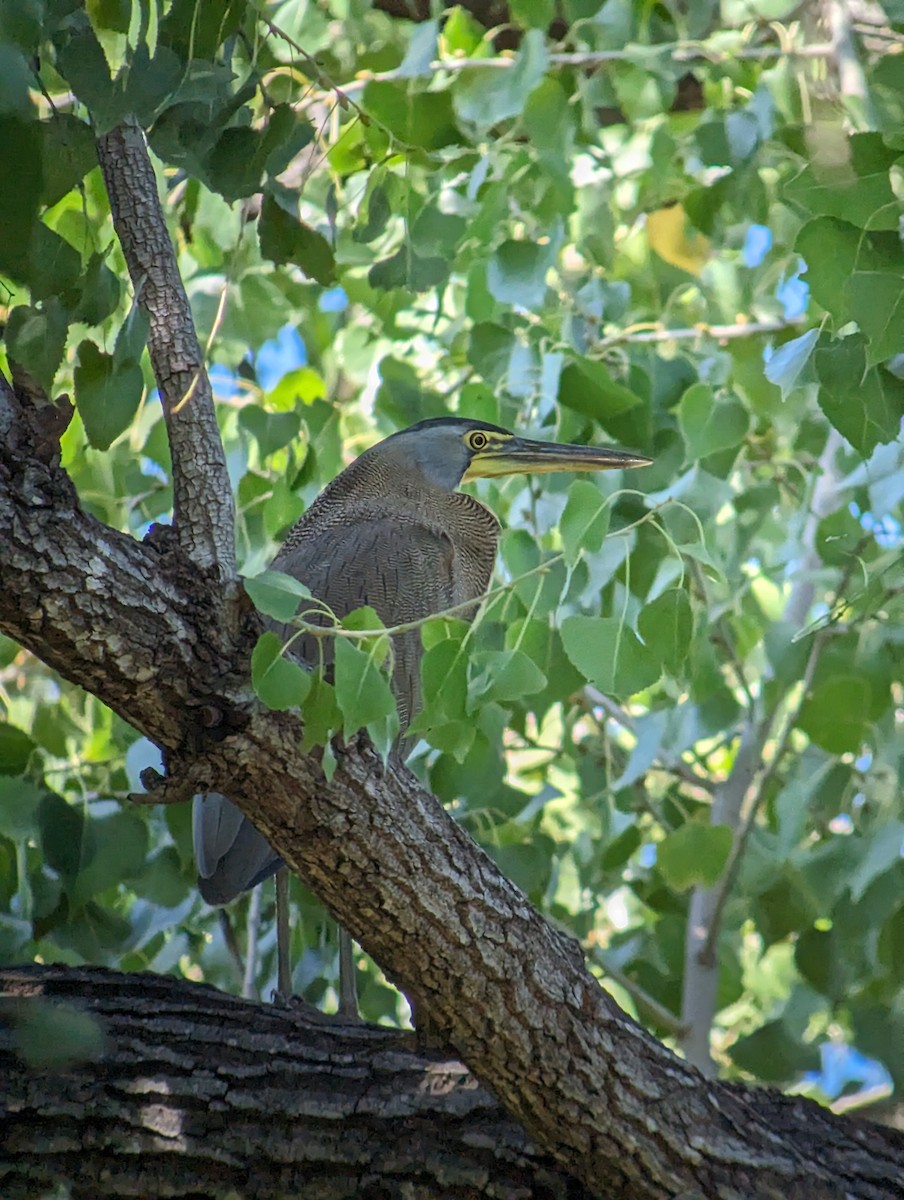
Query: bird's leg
283	966
348	990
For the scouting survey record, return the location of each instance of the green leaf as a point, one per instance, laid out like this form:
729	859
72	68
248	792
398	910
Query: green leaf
486	97
279	683
834	715
20	801
609	654
876	300
503	675
694	855
516	273
786	364
417	118
587	387
864	404
285	239
865	201
710	425
406	269
100	291
270	430
537	14
276	594
36	338
68	153
112	849
107	396
20	143
320	713
15	749
666	625
831	248
884	849
363	694
585	520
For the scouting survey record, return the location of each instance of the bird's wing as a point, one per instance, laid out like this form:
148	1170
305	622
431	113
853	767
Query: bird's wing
231	855
405	570
401	565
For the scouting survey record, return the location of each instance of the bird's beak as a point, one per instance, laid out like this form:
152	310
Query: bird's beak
518	454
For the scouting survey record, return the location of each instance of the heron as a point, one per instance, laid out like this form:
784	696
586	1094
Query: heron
391	531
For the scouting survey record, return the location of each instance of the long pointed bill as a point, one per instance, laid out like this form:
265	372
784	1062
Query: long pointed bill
517	454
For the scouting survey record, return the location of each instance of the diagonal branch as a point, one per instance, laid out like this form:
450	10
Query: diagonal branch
204	511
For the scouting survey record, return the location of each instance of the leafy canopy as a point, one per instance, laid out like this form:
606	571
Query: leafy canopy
509	241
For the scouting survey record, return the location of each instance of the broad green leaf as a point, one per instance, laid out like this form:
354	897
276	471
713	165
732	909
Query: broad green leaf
364	696
20	800
36	338
503	675
516	273
271	430
864	404
867	201
884	849
279	683
876	301
416	117
276	594
784	367
587	387
834	714
406	269
585	521
107	396
486	97
609	654
15	749
773	1054
320	713
67	154
534	14
285	239
20	141
666	625
831	248
710	424
695	854
113	848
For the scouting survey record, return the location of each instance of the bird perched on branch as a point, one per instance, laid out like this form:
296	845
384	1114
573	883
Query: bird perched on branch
391	531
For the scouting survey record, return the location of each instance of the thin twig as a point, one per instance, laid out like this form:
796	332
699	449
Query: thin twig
719	333
661	1015
676	51
706	953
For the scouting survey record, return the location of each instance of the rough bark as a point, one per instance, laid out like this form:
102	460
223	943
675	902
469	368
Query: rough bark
189	1078
509	992
203	506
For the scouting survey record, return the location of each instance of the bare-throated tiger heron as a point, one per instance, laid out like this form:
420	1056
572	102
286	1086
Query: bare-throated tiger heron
390	531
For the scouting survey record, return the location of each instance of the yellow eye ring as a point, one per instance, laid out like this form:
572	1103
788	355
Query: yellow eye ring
478	440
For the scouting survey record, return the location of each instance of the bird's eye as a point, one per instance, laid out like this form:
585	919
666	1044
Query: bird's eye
477	440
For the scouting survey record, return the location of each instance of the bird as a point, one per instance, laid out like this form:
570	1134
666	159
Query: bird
391	531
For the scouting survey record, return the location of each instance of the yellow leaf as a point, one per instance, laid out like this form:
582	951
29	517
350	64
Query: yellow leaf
669	235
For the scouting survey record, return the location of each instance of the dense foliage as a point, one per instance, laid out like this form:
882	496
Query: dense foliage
688	677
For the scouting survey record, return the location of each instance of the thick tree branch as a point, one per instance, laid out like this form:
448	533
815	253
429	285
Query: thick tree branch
510	993
188	1077
204	511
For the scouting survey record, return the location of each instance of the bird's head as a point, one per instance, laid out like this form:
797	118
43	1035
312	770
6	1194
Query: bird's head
449	451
